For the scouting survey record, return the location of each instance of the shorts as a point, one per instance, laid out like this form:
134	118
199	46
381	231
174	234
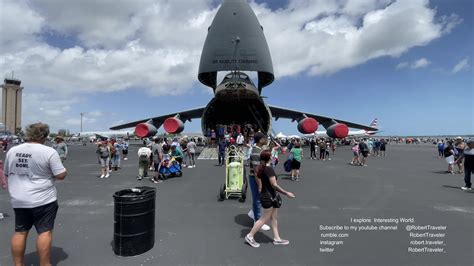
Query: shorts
104	162
450	159
266	201
41	217
355	153
124	152
295	164
365	154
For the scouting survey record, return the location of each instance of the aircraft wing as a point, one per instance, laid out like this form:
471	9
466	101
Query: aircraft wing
279	112
158	121
101	137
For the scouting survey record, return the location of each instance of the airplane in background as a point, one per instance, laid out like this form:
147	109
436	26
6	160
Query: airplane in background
94	135
235	43
352	133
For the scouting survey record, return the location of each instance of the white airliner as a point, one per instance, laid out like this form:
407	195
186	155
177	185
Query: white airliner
93	135
352	133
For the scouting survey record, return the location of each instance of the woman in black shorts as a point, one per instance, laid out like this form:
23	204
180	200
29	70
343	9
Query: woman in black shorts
268	190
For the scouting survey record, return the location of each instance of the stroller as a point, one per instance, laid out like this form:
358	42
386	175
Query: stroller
174	170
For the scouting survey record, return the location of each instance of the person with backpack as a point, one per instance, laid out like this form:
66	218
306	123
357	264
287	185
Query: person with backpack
297	154
364	152
322	149
144	154
103	153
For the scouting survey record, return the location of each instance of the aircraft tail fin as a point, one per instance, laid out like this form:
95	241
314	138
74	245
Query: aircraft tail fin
374	123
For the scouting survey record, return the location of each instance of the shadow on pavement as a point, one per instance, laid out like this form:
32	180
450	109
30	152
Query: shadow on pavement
244	220
458	188
441	172
57	255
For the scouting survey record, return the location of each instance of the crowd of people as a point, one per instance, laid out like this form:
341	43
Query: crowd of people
165	153
45	164
109	155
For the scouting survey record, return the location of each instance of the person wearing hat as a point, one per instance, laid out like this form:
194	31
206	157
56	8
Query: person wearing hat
468	156
61	147
255	213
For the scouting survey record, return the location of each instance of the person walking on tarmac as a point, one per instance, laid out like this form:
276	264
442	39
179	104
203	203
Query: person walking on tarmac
144	154
221	146
312	148
60	147
260	140
468	156
268	189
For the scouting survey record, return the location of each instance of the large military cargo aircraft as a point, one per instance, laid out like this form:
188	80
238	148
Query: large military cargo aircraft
235	43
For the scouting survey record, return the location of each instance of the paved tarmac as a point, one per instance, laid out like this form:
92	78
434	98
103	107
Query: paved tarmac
330	222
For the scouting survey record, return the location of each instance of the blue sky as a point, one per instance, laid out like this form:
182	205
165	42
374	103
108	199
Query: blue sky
112	72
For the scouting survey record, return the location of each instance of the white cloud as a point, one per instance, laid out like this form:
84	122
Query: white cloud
403	65
19	24
461	65
420	63
118	45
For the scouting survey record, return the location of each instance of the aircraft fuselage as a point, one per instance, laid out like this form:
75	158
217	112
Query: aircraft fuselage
237	102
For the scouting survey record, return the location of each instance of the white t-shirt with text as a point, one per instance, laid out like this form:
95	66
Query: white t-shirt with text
30	169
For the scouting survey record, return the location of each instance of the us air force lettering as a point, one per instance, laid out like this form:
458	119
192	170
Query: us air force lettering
236	43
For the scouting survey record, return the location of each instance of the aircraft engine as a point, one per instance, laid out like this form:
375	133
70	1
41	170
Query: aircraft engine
173	125
338	130
145	130
307	125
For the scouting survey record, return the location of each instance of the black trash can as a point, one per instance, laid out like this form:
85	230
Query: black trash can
134	221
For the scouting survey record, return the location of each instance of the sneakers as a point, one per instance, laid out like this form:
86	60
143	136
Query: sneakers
139	178
282	242
251	241
107	175
102	176
466	188
156	181
125	159
190	166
